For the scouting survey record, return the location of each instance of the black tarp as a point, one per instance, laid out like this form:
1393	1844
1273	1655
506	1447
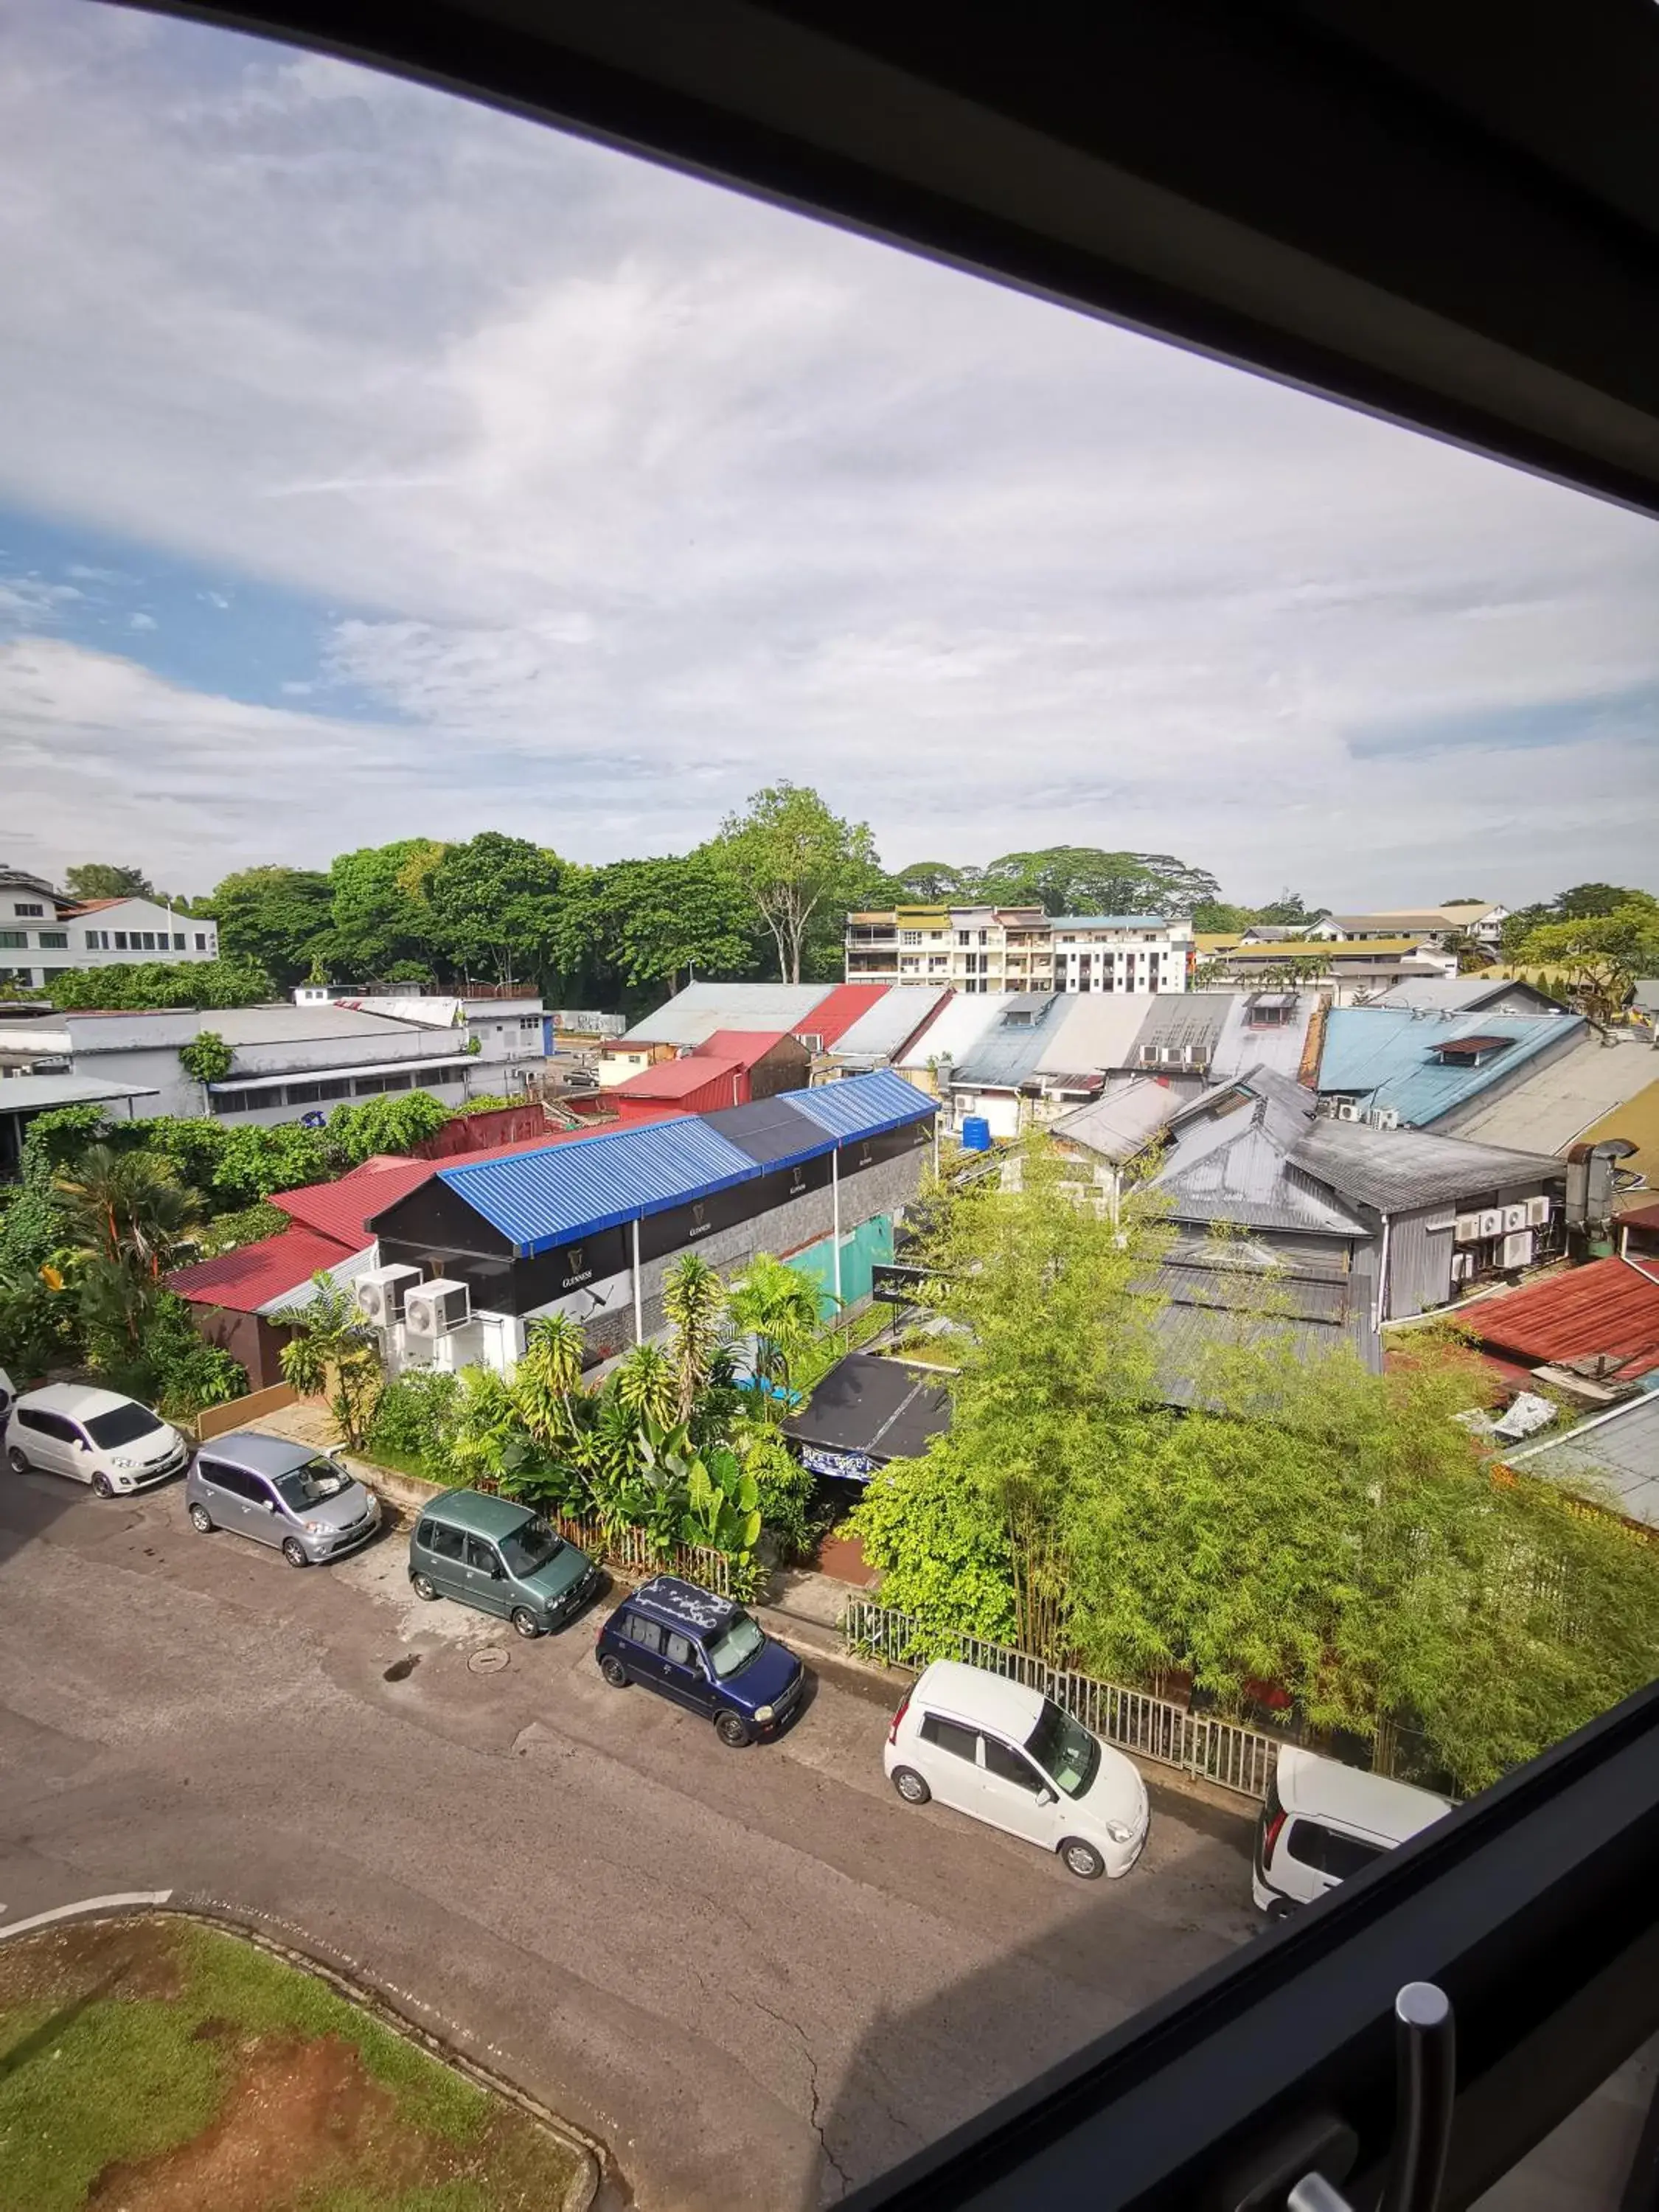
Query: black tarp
865	1411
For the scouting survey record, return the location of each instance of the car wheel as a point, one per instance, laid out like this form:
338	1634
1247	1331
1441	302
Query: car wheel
20	1464
731	1728
527	1624
201	1520
102	1486
614	1673
424	1587
910	1785
294	1552
1082	1859
1280	1909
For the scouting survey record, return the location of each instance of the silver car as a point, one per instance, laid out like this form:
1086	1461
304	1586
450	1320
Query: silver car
279	1492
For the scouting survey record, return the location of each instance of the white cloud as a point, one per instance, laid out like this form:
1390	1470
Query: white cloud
142	622
642	494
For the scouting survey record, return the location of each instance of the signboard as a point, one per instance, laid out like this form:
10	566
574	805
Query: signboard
848	1466
897	1285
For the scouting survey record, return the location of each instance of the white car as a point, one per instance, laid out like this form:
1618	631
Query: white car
1008	1755
95	1436
1324	1822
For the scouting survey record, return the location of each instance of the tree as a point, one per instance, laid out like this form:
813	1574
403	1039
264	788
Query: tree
493	902
694	1299
1080	880
1589	902
1215	918
379	908
1288	912
776	1305
207	1058
281	919
98	879
928	882
150	984
333	1352
548	1378
1601	956
796	860
125	1215
655	921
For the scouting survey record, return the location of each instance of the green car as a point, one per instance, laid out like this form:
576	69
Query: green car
501	1557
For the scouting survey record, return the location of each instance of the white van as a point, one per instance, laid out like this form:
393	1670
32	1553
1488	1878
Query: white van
1324	1821
1007	1755
94	1435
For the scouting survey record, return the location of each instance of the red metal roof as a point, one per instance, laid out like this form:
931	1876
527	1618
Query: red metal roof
1607	1310
1639	1217
340	1209
742	1046
682	1078
252	1277
832	1017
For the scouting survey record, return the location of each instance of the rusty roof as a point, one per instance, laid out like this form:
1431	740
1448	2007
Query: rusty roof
1609	1311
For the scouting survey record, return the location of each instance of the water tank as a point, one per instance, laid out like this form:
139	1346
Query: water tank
975	1133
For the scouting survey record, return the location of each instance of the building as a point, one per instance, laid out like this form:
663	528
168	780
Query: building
692	1015
733	1068
503	1028
1418	1067
1485	993
879	1037
1347	973
1614	1456
25	1093
1013	950
929	1060
1420	925
592	1226
286	1062
1560	1097
1593	1331
43	935
995	1077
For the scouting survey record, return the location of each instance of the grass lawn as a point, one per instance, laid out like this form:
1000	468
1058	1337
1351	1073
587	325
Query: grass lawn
154	2064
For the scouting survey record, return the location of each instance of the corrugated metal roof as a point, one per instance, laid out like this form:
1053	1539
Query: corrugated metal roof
28	1094
1125	1120
1005	1054
1179	1018
560	1192
771	1132
252	1277
1619	1448
1608	1311
864	1105
1062	921
1397	1170
1462	994
1235	1163
1385	1056
1554	1102
833	1017
343	1209
951	1033
1242	1046
1093	1030
746	1047
694	1014
885	1028
680	1079
1637	1121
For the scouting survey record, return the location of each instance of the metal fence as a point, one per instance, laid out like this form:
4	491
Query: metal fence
632	1550
1223	1752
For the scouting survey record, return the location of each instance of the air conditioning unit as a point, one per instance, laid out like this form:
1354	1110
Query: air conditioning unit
1492	1221
1517	1249
1347	1109
1198	1055
379	1292
1466	1229
1514	1217
1462	1266
1538	1213
436	1309
1170	1055
1384	1117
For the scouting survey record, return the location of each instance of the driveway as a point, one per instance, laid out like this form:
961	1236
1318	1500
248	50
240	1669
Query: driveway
757	1975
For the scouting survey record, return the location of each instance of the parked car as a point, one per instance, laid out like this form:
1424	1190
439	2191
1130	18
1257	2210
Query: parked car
1323	1822
96	1436
7	1394
501	1557
1007	1755
282	1494
705	1652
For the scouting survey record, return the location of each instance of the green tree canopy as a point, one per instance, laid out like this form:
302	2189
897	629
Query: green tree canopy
799	863
149	984
93	879
280	918
381	914
493	903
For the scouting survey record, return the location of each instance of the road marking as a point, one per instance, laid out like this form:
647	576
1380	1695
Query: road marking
120	1901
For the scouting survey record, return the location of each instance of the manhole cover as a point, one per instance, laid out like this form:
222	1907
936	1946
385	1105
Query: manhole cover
490	1661
401	1670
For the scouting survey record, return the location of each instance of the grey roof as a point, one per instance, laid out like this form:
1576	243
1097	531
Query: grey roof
29	1093
1395	1169
1125	1120
954	1030
1619	1448
693	1015
1296	1314
238	1025
1555	1101
264	1454
1093	1030
1427	917
1005	1055
1465	993
888	1026
1185	1018
1233	1160
1241	1046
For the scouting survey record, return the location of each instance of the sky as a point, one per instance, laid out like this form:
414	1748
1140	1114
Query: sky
373	464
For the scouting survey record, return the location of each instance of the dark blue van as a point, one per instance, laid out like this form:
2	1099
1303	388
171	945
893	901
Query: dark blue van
703	1651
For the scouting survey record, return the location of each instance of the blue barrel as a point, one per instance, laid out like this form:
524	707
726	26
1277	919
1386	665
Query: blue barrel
975	1133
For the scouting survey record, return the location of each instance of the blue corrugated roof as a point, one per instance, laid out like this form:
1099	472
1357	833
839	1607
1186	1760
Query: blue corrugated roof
1387	1055
864	1105
549	1198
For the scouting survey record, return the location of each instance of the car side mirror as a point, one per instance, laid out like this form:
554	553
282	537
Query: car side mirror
82	1445
267	1505
1048	1797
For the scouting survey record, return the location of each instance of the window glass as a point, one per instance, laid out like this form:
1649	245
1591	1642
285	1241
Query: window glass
482	1557
731	1648
27	908
947	1735
1064	1749
1305	1843
645	1633
679	1650
120	940
178	941
58	940
1346	1856
123	1424
528	1549
1007	1764
424	1534
319	1478
446	1542
13	937
229	1479
200	940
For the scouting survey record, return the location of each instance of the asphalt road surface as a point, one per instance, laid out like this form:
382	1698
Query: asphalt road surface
756	1975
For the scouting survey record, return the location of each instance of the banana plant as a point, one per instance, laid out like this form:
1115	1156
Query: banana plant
722	1504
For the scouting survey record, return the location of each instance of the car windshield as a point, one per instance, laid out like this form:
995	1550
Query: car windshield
123	1424
309	1485
528	1549
733	1646
1064	1749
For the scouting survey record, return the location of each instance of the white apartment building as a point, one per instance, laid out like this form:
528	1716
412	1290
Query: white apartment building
42	935
999	950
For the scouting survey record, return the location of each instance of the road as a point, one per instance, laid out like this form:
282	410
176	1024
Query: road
757	1975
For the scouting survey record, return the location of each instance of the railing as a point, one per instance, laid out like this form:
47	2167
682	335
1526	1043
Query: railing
1221	1752
632	1550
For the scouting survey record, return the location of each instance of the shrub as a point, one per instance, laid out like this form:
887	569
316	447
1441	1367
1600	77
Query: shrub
417	1418
785	1489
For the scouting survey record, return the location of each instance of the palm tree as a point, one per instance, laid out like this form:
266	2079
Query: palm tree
333	1352
778	1308
128	1209
645	1384
548	1377
694	1299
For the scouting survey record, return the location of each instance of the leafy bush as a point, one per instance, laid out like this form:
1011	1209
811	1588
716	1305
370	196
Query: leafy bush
783	1488
228	1232
169	1367
150	984
417	1418
940	1541
207	1058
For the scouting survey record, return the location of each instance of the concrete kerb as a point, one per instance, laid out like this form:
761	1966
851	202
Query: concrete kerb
591	2157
